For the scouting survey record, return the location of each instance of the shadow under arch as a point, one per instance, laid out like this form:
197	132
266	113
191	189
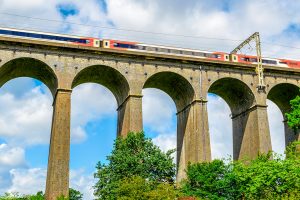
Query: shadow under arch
106	76
236	94
29	67
281	94
240	100
176	86
182	93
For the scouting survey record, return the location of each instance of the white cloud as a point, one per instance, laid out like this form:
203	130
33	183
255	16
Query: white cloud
166	142
158	111
90	102
10	157
83	183
25	120
220	127
32	180
276	128
28	181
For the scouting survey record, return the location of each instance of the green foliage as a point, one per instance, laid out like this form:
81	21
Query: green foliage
262	178
138	188
17	196
132	156
292	151
294	116
73	195
210	180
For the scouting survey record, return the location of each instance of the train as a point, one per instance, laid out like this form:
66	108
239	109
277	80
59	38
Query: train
141	47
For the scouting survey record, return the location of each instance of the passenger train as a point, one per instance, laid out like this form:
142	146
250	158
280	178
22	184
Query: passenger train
140	47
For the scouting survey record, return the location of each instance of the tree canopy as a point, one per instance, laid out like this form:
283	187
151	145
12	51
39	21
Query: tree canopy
133	156
261	178
293	116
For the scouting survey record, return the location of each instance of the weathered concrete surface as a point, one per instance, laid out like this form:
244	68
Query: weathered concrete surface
186	80
59	155
193	143
130	115
251	134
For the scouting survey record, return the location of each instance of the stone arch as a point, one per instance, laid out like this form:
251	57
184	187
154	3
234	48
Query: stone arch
250	126
281	94
182	93
175	85
106	76
236	93
29	67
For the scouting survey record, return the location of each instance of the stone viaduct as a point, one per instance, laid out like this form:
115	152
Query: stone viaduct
186	80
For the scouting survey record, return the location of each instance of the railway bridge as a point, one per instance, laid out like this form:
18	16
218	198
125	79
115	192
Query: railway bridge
186	80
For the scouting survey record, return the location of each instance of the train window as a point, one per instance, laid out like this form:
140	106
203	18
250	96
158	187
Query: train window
174	51
200	54
187	52
216	56
285	63
227	57
140	47
124	45
272	62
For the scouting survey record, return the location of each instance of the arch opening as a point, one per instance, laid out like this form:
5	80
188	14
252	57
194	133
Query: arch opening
29	67
240	99
159	118
182	93
276	128
237	94
106	76
25	121
220	130
176	86
280	95
93	131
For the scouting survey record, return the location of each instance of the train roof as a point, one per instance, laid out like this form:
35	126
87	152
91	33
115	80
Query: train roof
43	33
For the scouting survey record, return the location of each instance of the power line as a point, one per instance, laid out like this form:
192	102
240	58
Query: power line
120	29
140	31
281	45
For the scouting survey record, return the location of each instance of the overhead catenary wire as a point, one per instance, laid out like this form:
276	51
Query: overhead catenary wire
120	29
217	46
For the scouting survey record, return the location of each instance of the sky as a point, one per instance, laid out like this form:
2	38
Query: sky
220	25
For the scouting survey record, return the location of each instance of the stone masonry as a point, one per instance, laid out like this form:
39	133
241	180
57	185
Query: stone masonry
186	80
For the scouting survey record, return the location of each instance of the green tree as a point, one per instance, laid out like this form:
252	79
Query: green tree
138	188
211	180
75	195
261	178
293	117
133	155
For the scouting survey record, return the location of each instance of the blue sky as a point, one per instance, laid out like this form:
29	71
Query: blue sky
24	142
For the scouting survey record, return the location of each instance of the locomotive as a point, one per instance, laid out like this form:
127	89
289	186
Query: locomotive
141	47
